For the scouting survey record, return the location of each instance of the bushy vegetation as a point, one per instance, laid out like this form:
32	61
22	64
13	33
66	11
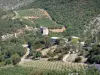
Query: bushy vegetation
78	59
94	54
11	51
7	25
63	49
15	59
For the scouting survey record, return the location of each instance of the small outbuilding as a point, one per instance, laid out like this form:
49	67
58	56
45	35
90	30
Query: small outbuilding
44	30
55	40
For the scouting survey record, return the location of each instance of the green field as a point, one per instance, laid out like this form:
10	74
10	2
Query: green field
46	22
31	12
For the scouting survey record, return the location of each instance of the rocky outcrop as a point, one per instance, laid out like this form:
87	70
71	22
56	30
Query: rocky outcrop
12	4
93	29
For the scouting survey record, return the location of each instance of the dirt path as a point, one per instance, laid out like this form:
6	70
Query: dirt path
65	57
26	54
16	15
71	57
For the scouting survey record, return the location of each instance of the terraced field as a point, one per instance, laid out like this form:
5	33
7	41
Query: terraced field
34	12
38	17
55	65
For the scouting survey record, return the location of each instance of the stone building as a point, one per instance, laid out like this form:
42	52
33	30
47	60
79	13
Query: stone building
44	30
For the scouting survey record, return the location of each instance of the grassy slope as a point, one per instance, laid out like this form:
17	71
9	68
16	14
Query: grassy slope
43	18
30	12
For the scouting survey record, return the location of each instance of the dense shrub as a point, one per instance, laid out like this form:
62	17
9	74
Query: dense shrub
60	57
38	54
94	55
78	59
1	58
94	59
15	59
8	61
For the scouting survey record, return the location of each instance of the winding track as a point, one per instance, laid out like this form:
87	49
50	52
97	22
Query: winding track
65	57
23	59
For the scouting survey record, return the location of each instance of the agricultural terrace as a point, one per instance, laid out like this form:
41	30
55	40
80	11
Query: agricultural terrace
39	13
53	65
38	17
18	70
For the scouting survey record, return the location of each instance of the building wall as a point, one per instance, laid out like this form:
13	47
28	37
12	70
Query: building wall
45	31
58	30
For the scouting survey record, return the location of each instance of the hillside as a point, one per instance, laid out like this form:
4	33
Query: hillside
76	14
14	32
68	42
10	22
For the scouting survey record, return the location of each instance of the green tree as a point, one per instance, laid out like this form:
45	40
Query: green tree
1	58
8	61
78	59
15	59
94	54
38	54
